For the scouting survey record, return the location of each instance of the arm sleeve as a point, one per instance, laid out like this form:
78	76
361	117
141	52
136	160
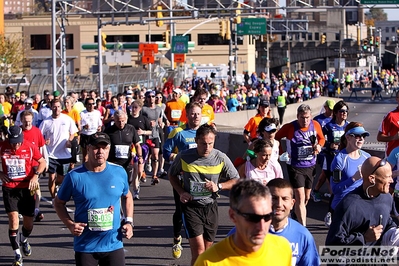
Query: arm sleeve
65	191
310	255
320	136
393	157
230	172
337	164
168	147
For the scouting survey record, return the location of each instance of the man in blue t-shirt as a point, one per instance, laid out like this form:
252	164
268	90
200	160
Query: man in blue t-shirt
304	251
97	188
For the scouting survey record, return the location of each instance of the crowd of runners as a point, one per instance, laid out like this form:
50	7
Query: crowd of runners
87	143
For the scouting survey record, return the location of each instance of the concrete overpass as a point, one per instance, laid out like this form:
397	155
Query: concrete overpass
302	51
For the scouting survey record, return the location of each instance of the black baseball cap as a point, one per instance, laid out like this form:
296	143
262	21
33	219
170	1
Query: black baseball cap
98	138
15	135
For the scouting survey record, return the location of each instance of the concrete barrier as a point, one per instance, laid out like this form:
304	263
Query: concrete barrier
240	119
231	125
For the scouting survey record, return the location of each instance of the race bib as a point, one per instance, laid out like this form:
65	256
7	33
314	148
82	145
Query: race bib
65	168
305	153
337	136
15	168
192	145
122	151
175	114
141	139
198	190
100	219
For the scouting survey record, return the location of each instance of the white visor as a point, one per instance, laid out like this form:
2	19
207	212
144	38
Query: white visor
270	127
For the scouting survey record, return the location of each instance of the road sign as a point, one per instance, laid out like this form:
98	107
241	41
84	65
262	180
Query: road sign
179	58
148	46
379	2
147	59
362	62
252	26
180	44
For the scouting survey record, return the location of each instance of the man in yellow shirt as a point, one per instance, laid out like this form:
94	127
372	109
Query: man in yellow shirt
251	244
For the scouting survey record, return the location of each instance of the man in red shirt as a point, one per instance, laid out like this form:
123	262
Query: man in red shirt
20	181
389	129
33	135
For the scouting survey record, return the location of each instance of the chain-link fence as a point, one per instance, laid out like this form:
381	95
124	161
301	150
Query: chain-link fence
115	80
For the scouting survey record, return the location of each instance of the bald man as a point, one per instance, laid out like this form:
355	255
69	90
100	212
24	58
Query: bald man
363	216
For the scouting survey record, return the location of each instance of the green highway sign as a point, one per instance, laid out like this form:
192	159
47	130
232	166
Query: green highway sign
180	44
252	26
379	2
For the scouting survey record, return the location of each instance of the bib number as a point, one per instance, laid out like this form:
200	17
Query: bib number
15	168
305	153
122	151
100	219
199	191
175	114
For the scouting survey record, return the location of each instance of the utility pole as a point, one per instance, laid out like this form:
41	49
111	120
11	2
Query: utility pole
372	52
379	51
230	51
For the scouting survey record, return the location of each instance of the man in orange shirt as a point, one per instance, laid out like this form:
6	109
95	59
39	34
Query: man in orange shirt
208	115
304	138
250	129
174	109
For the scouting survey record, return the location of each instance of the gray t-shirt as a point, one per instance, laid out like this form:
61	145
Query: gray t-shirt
197	169
153	114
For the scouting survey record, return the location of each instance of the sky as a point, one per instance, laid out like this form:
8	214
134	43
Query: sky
392	14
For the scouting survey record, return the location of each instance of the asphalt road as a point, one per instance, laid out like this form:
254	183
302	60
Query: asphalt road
151	245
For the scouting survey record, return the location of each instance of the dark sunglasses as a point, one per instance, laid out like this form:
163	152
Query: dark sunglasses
381	164
90	103
150	96
343	111
255	218
158	97
357	136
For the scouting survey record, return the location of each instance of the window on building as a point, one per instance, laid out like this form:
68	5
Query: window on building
310	36
317	36
386	29
43	41
154	38
303	35
215	39
120	38
337	36
393	29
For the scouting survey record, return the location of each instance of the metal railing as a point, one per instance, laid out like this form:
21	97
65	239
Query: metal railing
114	80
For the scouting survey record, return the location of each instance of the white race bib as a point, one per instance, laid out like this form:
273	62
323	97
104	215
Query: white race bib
305	153
100	219
15	168
176	114
199	191
122	151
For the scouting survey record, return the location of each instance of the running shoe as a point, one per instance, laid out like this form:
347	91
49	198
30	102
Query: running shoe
136	196
39	216
177	248
155	181
143	177
316	196
17	260
26	248
327	195
148	168
327	219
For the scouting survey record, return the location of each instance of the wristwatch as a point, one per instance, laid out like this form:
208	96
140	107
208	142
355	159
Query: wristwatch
128	222
37	173
220	186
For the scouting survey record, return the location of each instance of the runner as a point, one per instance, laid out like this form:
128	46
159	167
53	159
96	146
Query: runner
96	226
19	181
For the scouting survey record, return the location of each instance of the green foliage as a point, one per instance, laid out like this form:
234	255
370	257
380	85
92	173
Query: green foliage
12	54
376	14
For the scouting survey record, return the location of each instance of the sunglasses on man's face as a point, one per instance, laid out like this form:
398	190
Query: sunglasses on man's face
254	218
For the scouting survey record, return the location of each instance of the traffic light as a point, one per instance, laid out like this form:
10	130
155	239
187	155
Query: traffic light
323	39
159	23
237	19
165	38
228	32
104	41
365	44
377	41
222	30
371	40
